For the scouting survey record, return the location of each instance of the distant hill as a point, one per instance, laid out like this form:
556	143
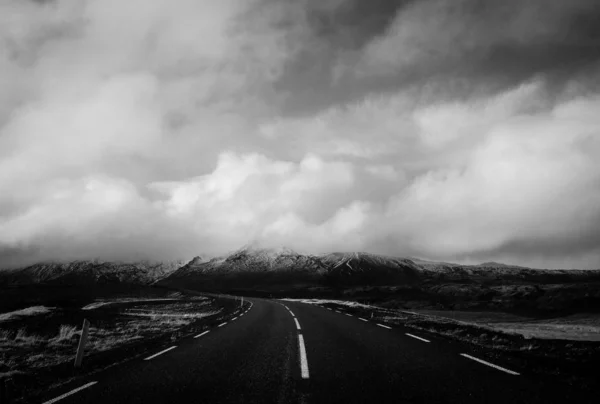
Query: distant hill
87	273
77	283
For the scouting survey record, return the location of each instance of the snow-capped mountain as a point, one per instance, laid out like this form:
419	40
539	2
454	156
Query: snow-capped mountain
89	272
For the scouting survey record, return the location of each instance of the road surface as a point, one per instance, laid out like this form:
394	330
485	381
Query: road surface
290	352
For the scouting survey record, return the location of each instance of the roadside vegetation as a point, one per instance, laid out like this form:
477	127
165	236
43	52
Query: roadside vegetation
50	337
561	342
38	344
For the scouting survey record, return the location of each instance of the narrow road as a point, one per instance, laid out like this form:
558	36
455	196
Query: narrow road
284	352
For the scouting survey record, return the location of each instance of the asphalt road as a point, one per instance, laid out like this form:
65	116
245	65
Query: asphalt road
259	358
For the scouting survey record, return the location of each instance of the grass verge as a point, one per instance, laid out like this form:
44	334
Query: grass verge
37	354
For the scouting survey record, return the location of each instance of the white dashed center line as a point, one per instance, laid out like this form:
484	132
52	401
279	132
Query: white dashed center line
199	335
222	324
363	319
419	338
160	353
384	326
303	360
302	348
490	364
85	386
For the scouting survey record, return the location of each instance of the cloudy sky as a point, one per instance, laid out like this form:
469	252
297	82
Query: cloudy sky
464	130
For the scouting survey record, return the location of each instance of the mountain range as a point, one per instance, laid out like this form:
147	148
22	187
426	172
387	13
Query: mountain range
409	282
88	273
271	266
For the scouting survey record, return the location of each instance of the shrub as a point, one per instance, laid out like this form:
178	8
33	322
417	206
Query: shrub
65	334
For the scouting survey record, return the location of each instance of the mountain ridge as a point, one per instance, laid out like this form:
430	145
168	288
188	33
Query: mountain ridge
89	272
395	281
335	267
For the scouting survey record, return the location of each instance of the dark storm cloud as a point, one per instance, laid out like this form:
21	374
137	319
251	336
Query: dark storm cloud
165	129
374	47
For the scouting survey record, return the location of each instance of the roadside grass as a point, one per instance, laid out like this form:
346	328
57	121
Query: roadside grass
575	327
572	332
29	311
23	351
569	347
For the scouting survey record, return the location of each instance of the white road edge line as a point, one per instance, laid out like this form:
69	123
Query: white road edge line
303	360
419	338
363	319
297	323
222	324
384	326
490	364
199	335
85	386
160	353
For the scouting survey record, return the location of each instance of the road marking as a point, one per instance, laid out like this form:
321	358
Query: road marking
199	335
350	315
235	318
414	336
297	323
490	364
85	386
363	319
303	360
160	353
384	326
222	324
337	311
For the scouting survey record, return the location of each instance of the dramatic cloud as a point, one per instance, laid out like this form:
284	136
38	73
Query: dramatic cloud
464	130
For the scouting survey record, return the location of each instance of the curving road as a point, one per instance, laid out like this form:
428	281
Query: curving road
289	352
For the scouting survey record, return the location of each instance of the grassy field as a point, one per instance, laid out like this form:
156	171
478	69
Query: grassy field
576	327
40	336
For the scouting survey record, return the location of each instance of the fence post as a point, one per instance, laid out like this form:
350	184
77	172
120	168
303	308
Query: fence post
82	342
